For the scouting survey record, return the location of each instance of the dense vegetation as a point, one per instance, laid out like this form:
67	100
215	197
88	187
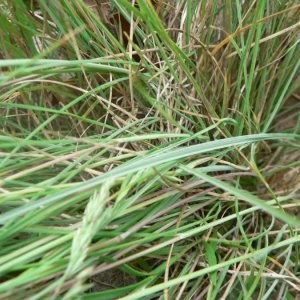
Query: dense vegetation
149	150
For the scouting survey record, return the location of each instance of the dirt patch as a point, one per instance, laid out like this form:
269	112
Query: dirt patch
111	279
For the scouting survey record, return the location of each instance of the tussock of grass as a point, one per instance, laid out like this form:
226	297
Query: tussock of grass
172	158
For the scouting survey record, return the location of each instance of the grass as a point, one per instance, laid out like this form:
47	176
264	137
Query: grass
157	141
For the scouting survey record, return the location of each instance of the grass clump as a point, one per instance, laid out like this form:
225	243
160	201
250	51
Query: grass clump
154	141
